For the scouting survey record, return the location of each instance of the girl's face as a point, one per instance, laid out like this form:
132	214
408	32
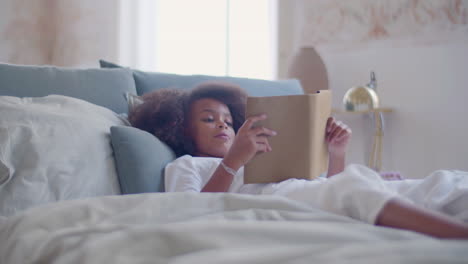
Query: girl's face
210	128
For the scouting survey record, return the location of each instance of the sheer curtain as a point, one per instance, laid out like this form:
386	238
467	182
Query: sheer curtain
213	37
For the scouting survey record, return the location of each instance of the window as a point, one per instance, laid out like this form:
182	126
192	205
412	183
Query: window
212	37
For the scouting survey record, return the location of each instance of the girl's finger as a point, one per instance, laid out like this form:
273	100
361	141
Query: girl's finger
252	120
261	147
336	130
262	144
261	140
330	121
263	131
268	147
343	134
333	126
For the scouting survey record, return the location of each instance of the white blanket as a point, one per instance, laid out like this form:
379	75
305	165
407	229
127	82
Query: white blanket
208	228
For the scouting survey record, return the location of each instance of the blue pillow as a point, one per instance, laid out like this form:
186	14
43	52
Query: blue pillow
140	158
104	87
148	81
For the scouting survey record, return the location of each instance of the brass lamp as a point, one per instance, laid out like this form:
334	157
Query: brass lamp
365	99
362	98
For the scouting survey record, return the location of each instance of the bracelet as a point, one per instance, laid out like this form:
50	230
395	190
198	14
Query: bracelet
228	170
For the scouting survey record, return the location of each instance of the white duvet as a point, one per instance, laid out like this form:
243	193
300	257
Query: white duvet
208	228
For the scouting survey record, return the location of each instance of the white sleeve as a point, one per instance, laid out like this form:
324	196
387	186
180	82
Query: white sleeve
181	175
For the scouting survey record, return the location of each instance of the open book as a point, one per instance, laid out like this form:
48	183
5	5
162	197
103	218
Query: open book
299	148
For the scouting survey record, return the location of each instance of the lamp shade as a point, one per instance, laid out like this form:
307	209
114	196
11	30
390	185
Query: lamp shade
308	67
360	98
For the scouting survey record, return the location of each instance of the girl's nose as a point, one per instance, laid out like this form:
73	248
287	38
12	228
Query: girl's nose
222	125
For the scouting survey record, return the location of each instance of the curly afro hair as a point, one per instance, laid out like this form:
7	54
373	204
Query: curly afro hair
165	112
162	114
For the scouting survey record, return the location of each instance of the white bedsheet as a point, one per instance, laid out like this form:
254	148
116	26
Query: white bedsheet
208	228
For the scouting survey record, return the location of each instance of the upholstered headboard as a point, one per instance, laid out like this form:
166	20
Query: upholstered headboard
149	81
103	87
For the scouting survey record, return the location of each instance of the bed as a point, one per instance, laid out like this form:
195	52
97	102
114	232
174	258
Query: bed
79	185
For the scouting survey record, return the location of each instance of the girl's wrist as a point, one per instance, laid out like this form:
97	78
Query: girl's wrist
228	169
232	163
340	155
337	157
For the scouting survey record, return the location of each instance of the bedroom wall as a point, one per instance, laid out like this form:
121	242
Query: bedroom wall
58	32
417	49
419	52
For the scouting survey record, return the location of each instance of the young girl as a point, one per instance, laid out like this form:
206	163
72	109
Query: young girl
206	129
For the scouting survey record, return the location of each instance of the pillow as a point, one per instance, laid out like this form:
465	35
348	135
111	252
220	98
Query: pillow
141	158
148	81
54	148
103	87
4	172
133	101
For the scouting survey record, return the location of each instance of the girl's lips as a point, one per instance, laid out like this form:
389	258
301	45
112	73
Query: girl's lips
222	136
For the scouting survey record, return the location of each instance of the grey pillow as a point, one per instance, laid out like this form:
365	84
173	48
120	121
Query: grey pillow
104	87
148	81
140	159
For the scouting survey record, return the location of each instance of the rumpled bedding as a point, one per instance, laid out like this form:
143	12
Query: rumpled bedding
54	148
208	228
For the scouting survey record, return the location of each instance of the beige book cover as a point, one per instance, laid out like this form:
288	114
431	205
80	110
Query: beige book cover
299	148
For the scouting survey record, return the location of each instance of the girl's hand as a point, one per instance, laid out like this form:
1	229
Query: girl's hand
249	141
337	136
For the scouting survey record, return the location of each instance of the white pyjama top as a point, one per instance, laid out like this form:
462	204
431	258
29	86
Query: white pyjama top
357	192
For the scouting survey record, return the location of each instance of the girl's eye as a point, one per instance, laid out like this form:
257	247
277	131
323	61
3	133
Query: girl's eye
208	119
229	123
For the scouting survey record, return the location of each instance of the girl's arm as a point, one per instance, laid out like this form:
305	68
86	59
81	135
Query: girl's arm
336	164
248	142
221	179
337	136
